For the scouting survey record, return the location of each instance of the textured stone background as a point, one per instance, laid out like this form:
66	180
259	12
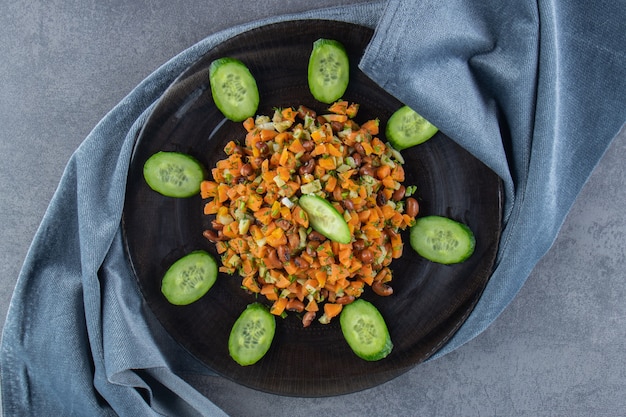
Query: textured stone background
559	348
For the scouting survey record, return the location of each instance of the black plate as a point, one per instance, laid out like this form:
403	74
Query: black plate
430	301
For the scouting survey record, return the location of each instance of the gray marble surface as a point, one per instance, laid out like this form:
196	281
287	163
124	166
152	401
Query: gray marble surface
557	350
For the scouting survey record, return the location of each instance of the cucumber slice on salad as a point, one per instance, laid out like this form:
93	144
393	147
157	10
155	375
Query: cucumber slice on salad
442	240
233	88
329	70
365	330
251	335
406	128
173	174
189	278
325	219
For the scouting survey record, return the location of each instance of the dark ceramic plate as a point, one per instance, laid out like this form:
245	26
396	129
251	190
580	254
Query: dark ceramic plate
430	301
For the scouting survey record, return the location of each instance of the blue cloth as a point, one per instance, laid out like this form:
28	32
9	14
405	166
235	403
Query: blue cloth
535	90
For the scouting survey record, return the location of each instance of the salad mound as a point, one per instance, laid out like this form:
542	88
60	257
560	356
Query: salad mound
262	232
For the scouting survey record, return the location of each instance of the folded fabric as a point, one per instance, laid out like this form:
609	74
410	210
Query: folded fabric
534	90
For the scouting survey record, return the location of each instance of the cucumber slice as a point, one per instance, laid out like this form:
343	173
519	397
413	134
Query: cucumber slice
189	278
251	335
365	330
233	88
442	240
325	218
329	70
406	128
173	174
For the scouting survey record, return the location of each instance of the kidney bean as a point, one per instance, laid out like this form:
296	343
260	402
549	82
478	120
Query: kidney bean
357	159
358	244
295	305
307	168
216	225
311	247
367	169
348	204
366	256
210	235
382	289
308	318
294	240
308	145
381	198
399	193
246	170
284	254
263	147
273	256
346	299
316	236
411	207
359	148
300	262
337	194
336	126
283	224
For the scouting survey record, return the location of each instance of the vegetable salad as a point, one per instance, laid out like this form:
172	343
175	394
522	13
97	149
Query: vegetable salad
263	234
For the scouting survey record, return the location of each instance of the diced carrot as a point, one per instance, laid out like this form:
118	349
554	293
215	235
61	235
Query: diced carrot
389	182
269	291
367	148
264	215
208	189
250	283
300	216
332	309
341	118
321	277
268	134
248	124
279	306
352	110
327	163
320	149
318	136
339	107
211	207
334	150
378	146
398	173
312	306
289	113
290	268
371	126
277	238
231	230
282	138
296	146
